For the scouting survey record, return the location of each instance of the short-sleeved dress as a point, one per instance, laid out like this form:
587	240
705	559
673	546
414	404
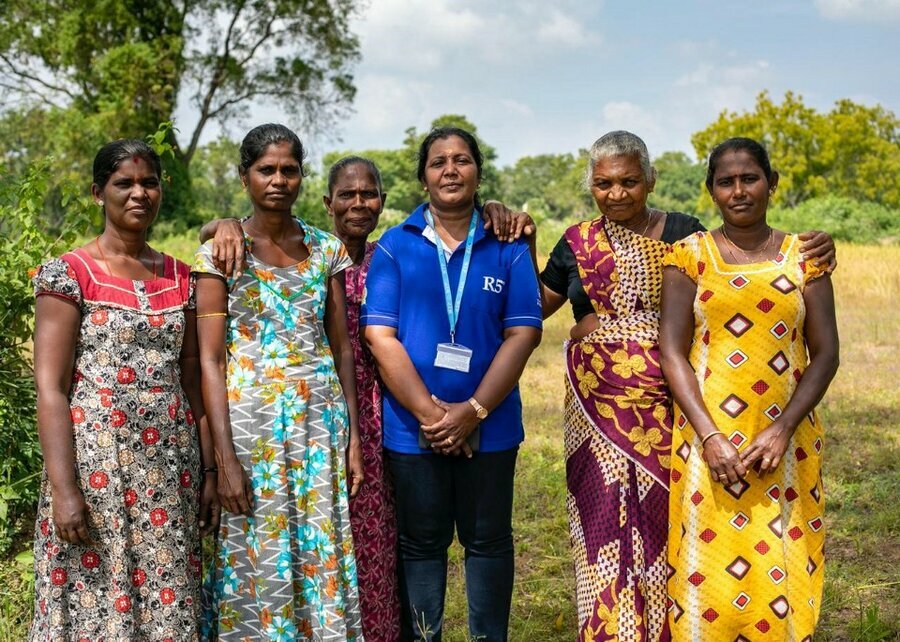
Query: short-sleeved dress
747	559
138	464
288	572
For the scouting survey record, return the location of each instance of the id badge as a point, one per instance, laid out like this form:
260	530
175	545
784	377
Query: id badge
453	356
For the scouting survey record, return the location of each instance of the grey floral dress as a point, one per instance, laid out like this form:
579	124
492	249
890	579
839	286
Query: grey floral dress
137	464
288	572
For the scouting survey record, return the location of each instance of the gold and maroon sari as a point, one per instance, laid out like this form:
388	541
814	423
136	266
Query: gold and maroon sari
618	436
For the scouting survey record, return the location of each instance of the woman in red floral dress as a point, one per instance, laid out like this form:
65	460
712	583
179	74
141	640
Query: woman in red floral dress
124	494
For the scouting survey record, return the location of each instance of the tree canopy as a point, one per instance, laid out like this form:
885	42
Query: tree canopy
76	73
851	151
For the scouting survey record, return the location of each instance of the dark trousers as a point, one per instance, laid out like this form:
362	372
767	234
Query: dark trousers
433	494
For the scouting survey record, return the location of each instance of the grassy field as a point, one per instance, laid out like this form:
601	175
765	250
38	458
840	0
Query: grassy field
862	478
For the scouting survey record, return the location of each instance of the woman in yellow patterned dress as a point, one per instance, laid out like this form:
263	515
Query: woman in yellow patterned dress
749	345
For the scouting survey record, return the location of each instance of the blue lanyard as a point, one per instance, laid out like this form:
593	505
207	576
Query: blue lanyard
453	306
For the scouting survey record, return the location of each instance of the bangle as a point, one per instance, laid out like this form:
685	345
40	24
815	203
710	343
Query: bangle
711	435
212	314
210	469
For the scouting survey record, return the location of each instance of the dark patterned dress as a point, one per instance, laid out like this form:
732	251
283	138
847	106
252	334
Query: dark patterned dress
138	465
372	515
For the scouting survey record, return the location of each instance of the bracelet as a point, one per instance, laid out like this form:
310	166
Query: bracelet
710	435
210	469
212	314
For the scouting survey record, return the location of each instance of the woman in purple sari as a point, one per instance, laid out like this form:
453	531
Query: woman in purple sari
618	421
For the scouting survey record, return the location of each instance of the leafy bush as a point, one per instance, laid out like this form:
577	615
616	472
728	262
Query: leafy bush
845	219
24	242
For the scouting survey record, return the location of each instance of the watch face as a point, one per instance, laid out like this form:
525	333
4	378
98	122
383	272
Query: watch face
481	413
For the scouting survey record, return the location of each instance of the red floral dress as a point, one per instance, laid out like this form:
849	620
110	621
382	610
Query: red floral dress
137	460
372	515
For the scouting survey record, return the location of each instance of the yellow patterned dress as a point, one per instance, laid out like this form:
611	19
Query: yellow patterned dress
747	559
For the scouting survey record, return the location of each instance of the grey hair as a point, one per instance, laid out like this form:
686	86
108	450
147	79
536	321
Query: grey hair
619	143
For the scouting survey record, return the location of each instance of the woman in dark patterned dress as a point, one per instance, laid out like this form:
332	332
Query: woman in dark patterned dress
124	497
354	202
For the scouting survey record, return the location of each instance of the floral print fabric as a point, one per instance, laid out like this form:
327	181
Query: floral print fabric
138	465
288	572
372	516
618	436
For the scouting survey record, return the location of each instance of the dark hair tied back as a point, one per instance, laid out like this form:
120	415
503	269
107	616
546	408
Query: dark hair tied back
111	155
258	139
738	144
441	133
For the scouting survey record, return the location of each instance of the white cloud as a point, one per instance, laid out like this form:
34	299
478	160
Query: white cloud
564	30
874	11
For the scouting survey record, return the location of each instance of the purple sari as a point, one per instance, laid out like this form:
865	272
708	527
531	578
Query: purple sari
618	438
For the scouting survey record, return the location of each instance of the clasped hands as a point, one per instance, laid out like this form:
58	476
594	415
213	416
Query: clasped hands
451	424
727	465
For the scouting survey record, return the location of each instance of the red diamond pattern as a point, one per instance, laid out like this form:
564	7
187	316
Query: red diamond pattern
707	373
738	324
739	521
779	329
739	282
696	578
797	375
783	284
800	454
705	337
733	406
816	524
760	387
790	494
701	267
773	492
676	475
738	568
736	359
761	547
795	533
773	412
710	615
765	305
708	535
741	601
681	421
777	575
817	444
697	497
762	626
737	438
706	296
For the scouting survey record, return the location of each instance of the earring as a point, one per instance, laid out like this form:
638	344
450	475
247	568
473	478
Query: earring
100	203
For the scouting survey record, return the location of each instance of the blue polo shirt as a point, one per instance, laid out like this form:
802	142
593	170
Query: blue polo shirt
404	291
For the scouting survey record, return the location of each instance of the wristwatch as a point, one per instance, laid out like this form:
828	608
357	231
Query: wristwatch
480	411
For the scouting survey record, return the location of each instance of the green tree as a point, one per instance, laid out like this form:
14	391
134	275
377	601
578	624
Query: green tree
548	185
851	151
100	69
678	181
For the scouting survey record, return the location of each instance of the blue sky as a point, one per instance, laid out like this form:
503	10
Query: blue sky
541	77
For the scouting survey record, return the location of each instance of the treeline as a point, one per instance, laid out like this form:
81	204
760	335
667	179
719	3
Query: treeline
838	172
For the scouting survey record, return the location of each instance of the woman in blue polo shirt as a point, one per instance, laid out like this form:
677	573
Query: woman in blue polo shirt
452	315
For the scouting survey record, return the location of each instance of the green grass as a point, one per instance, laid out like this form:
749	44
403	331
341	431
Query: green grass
862	477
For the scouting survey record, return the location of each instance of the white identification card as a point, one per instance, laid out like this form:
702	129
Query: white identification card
452	356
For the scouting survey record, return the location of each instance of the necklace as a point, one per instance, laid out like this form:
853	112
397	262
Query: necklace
646	226
735	246
106	262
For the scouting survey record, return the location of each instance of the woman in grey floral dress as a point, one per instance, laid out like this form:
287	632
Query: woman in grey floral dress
117	541
275	356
